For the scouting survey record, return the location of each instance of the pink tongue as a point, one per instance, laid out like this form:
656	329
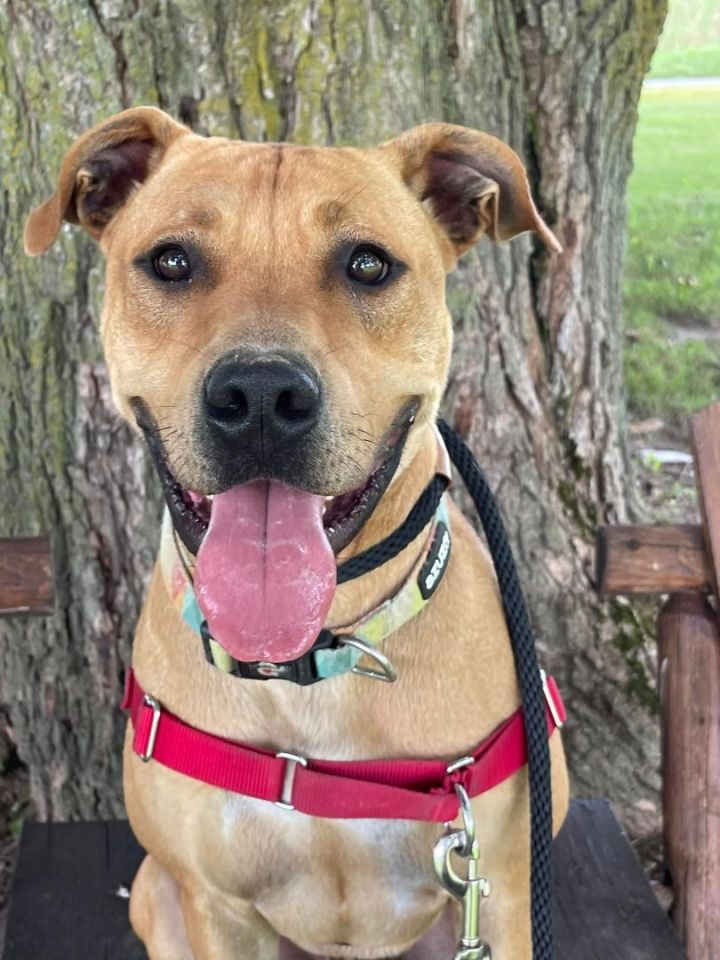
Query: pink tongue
266	573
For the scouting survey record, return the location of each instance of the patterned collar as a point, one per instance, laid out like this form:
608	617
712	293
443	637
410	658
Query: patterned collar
334	652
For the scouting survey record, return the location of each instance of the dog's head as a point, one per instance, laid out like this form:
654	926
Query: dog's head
275	323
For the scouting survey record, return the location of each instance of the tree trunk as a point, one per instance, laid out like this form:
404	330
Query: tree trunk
536	380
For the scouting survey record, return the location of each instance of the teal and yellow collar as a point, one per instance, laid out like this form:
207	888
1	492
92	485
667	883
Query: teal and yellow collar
334	652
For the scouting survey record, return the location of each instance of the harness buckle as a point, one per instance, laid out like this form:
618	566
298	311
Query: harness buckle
551	702
291	764
156	707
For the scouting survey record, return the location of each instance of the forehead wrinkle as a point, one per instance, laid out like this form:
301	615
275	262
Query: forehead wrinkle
336	213
277	209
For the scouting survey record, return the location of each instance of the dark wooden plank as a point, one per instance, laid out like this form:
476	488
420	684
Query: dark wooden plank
64	901
64	905
25	576
604	907
663	558
689	661
706	442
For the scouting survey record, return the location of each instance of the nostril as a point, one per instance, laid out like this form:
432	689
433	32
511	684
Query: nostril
228	402
294	406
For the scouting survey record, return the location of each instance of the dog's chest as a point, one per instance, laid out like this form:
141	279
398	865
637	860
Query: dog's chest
330	873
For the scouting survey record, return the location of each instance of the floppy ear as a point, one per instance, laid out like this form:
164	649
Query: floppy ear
99	171
473	184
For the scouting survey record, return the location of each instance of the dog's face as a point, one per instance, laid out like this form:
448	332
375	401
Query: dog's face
275	318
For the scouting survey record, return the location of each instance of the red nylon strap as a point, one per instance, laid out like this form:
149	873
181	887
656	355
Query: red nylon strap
378	789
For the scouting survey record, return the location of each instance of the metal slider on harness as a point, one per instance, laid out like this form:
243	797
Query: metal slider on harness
291	765
550	699
156	708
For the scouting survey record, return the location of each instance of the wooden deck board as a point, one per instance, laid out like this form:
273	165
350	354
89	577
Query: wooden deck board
65	902
604	906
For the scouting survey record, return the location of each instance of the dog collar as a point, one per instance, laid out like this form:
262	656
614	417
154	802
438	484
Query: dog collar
403	789
334	652
339	651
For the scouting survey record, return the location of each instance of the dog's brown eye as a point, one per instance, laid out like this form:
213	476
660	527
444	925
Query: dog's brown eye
367	266
172	264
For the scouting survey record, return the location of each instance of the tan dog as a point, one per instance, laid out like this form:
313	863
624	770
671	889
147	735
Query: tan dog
315	277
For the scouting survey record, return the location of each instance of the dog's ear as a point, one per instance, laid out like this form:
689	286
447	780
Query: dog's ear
100	170
471	182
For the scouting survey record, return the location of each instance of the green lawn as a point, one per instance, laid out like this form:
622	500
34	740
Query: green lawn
672	280
701	61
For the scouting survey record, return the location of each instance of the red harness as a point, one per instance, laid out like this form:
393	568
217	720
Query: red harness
383	789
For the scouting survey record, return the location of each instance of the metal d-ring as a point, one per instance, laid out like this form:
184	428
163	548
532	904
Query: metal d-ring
387	673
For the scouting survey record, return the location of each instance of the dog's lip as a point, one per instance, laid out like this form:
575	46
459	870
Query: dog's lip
345	513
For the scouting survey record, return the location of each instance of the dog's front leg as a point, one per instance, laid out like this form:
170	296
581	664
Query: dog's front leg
224	928
156	915
177	924
502	817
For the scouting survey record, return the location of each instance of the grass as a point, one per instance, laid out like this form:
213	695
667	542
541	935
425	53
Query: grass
672	279
689	62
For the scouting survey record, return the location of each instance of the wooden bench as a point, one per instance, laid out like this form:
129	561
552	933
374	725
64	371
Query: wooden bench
69	897
683	564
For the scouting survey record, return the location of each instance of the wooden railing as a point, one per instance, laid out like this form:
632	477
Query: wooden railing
683	562
26	586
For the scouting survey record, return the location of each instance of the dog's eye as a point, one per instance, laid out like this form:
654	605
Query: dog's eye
368	266
172	264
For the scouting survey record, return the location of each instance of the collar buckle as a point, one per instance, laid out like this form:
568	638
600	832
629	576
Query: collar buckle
291	764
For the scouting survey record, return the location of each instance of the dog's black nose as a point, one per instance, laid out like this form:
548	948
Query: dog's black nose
262	401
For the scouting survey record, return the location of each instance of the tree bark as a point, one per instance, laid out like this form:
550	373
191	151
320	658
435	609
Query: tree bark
536	383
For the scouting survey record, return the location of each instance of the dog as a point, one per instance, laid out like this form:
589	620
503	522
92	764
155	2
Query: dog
275	327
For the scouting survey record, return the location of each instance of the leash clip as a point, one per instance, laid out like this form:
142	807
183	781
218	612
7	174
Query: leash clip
468	890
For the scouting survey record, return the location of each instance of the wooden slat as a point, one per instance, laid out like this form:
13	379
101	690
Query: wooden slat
25	576
64	903
706	442
689	660
663	558
64	907
604	907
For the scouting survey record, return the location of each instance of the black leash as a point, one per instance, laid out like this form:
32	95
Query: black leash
523	647
531	690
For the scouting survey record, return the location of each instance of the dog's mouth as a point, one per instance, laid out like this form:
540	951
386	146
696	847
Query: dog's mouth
266	569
